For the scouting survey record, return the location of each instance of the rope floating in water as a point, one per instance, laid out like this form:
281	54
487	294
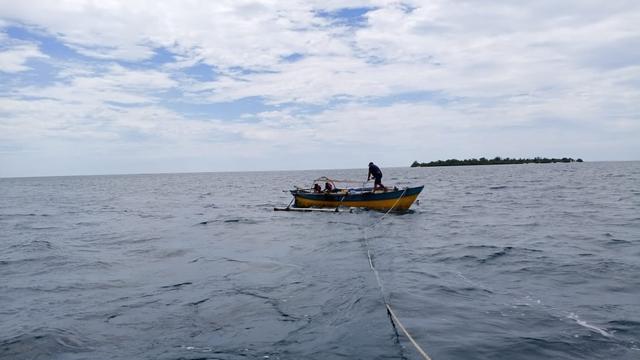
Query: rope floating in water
392	315
395	319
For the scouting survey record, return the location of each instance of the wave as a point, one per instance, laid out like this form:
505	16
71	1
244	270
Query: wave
43	343
239	220
18	215
591	327
629	328
33	245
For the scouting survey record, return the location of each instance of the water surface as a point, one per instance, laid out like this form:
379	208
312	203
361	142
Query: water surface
495	262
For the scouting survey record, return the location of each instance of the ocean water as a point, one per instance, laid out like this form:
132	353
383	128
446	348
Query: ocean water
494	262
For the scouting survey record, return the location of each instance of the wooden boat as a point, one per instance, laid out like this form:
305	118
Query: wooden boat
365	197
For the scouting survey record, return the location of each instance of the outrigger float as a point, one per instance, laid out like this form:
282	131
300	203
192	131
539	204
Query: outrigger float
332	198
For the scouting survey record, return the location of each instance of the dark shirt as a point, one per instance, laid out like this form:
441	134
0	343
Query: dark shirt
375	171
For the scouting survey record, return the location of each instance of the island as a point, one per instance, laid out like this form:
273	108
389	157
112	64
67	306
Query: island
495	161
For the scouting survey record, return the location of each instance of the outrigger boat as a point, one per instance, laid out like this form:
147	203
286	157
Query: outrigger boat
396	199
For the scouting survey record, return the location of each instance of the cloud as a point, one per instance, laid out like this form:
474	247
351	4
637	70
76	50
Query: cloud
103	103
454	73
225	34
13	59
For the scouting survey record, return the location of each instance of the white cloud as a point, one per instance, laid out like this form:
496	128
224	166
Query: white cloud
529	69
14	58
104	84
224	33
102	104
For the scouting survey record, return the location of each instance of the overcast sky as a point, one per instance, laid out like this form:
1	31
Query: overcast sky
100	87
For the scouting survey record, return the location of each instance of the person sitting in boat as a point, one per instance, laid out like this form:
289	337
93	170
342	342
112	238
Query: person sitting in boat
317	188
376	173
328	187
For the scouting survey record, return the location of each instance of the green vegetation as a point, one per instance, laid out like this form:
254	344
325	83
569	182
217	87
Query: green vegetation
495	161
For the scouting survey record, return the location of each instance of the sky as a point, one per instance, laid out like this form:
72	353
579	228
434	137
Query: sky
110	87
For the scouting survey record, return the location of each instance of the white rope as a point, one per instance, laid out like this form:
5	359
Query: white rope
415	344
392	316
388	211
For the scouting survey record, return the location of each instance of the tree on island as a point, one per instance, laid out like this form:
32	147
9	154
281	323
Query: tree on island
495	161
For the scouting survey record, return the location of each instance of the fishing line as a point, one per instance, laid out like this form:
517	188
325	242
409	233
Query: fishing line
393	318
531	300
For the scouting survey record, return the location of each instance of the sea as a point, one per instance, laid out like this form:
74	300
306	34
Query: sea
532	261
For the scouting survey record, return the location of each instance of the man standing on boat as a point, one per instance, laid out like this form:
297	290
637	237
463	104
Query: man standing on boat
376	173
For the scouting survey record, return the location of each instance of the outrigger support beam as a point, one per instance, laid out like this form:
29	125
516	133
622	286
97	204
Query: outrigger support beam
293	208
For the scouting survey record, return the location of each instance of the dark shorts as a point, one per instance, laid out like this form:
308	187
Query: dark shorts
378	181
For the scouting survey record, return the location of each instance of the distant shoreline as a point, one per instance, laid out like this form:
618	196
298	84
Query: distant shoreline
495	161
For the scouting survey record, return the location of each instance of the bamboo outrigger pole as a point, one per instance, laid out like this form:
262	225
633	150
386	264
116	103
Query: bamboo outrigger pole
292	208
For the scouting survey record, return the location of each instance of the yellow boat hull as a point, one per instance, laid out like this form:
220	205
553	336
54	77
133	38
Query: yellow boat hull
400	204
396	199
